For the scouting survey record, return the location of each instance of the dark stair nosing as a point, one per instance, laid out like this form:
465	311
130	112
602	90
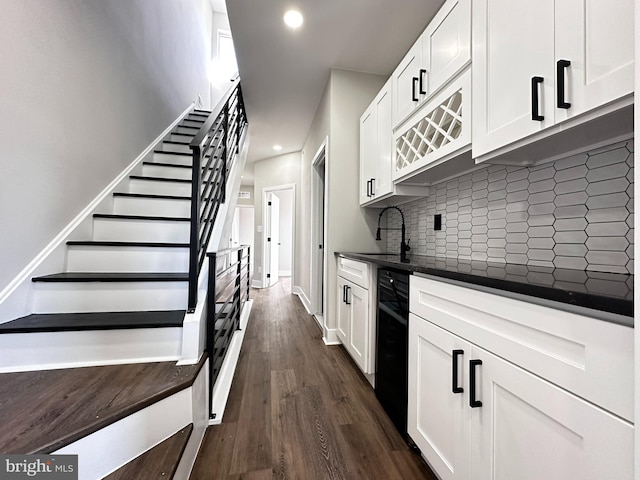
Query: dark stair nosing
173	142
151	195
159	179
181	154
98	243
197	120
160	461
73	322
75	277
162	164
141	217
202	110
145	385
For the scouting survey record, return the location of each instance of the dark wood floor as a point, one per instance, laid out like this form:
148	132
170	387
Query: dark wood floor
299	409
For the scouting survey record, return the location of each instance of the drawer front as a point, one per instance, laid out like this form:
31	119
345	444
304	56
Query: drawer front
357	272
586	356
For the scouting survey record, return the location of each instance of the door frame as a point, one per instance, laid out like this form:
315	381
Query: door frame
265	244
319	224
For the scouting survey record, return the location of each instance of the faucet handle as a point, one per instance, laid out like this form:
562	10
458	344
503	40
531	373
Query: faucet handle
407	247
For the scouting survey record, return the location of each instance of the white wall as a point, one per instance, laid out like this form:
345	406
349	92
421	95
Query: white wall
86	86
273	172
251	199
285	257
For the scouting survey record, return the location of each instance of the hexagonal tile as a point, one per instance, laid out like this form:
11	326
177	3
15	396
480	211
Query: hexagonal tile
541	186
517	186
630	220
574	263
496	214
517	207
497	253
546	243
629	146
517	227
516	258
630	191
497	233
564	224
568	199
600	215
607	187
541	208
516	248
476	229
570	250
629	252
479	175
497	186
630	267
498	174
542	197
570	237
464	251
543	172
579	171
518	196
609	157
609	172
540	263
479	203
537	254
517	175
544	232
616	244
607	258
573	211
497	223
496	242
607	229
517	237
605	201
630	206
479	220
577	185
539	220
630	236
479	194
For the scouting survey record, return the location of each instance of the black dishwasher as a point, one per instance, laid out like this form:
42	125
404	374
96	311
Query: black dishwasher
392	345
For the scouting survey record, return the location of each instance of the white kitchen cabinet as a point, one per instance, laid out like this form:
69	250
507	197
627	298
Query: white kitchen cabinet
521	85
356	322
368	153
533	393
438	55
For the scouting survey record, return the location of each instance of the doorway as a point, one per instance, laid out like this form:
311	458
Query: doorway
242	231
318	231
279	208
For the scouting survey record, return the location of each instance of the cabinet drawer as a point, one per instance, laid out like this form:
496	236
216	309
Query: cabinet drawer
589	357
357	272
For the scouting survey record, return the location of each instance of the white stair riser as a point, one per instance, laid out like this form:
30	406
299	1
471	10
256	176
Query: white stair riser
151	206
166	172
81	258
127	230
159	187
71	297
181	138
172	147
191	123
21	352
172	159
189	130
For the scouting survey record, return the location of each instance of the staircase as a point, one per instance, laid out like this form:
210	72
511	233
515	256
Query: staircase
118	311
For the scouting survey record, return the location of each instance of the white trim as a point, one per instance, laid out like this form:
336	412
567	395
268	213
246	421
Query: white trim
330	336
22	305
284	273
321	154
303	298
256	284
223	383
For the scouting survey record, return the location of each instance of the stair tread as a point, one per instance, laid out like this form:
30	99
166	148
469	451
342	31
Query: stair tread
159	462
181	154
140	217
159	179
202	110
112	277
69	322
107	243
171	165
46	410
173	142
151	195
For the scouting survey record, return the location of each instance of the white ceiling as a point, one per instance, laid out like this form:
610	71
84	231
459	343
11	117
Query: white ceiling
284	72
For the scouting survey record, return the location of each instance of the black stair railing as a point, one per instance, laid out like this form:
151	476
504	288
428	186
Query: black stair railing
227	292
214	148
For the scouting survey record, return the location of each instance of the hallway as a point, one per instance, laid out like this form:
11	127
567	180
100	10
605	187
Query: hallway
299	409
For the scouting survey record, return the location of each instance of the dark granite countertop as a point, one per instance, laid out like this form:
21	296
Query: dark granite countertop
608	296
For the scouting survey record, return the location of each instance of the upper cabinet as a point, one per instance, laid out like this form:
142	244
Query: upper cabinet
539	64
436	57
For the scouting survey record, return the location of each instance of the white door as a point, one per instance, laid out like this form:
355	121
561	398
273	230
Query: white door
597	38
358	300
529	429
438	419
273	239
513	42
234	241
406	84
368	152
384	142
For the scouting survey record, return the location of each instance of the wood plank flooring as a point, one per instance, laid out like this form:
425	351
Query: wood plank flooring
299	409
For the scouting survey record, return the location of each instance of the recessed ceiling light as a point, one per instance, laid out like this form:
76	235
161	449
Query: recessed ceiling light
293	18
277	148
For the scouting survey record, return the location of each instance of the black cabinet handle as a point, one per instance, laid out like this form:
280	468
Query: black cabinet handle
560	68
454	371
423	72
347	297
368	188
413	89
473	403
344	294
373	188
535	113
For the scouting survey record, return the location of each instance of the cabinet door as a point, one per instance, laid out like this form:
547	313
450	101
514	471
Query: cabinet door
359	324
530	429
343	311
598	39
446	43
438	420
383	183
368	148
513	41
406	88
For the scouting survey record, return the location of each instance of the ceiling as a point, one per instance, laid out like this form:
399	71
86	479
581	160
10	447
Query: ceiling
284	72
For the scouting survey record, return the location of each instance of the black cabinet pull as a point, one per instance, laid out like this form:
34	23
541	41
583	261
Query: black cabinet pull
535	113
423	72
454	371
368	188
347	297
413	89
473	403
344	294
560	68
373	188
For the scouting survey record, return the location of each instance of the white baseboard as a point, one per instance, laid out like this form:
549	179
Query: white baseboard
256	284
303	298
330	336
284	273
16	297
222	387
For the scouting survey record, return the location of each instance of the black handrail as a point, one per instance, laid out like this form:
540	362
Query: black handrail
228	290
213	150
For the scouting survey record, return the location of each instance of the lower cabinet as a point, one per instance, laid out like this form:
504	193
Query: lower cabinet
475	415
